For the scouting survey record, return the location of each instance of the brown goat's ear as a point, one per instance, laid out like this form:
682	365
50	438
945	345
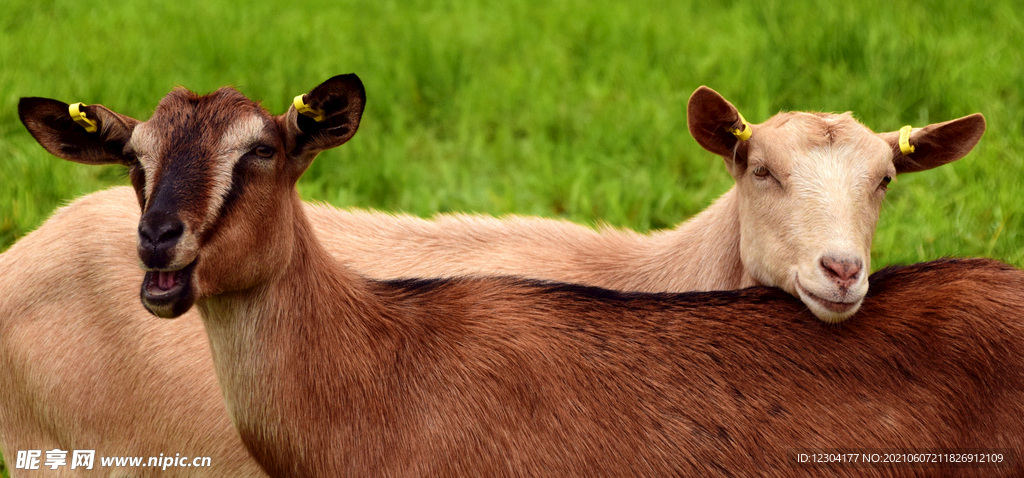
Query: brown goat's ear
936	144
50	123
324	118
714	123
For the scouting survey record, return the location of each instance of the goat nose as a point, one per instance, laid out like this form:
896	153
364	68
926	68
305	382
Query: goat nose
158	231
844	271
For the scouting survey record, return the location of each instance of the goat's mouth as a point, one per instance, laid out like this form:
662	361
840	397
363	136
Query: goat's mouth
833	311
168	293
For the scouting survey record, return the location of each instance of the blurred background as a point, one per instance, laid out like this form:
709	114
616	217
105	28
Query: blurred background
572	109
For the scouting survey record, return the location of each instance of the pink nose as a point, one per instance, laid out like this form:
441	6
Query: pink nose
842	270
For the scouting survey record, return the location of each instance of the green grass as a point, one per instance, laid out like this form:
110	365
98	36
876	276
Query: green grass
570	109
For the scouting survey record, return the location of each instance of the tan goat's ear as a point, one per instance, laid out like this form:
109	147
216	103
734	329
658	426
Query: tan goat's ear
324	118
97	137
936	144
717	125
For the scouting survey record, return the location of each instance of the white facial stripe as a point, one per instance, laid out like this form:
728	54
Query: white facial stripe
236	141
146	145
242	133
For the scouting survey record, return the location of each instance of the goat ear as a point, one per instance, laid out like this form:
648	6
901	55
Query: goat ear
712	121
936	144
328	118
51	124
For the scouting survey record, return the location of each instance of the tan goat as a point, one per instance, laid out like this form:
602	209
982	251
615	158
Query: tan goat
801	217
327	373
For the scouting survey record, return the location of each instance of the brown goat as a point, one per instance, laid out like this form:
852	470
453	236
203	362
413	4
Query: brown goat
327	373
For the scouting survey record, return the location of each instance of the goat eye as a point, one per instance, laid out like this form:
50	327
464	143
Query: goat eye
130	157
263	151
885	182
762	172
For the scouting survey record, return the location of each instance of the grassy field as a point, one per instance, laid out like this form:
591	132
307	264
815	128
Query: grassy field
568	109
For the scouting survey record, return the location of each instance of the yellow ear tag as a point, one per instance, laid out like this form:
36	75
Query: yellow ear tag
742	134
905	145
78	114
302	107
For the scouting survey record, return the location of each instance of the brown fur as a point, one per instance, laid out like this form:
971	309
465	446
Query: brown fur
499	377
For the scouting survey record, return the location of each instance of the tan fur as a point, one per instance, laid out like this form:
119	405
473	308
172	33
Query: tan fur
80	373
457	245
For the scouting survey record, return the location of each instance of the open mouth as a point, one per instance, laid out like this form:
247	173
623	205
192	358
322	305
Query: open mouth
835	307
163	288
